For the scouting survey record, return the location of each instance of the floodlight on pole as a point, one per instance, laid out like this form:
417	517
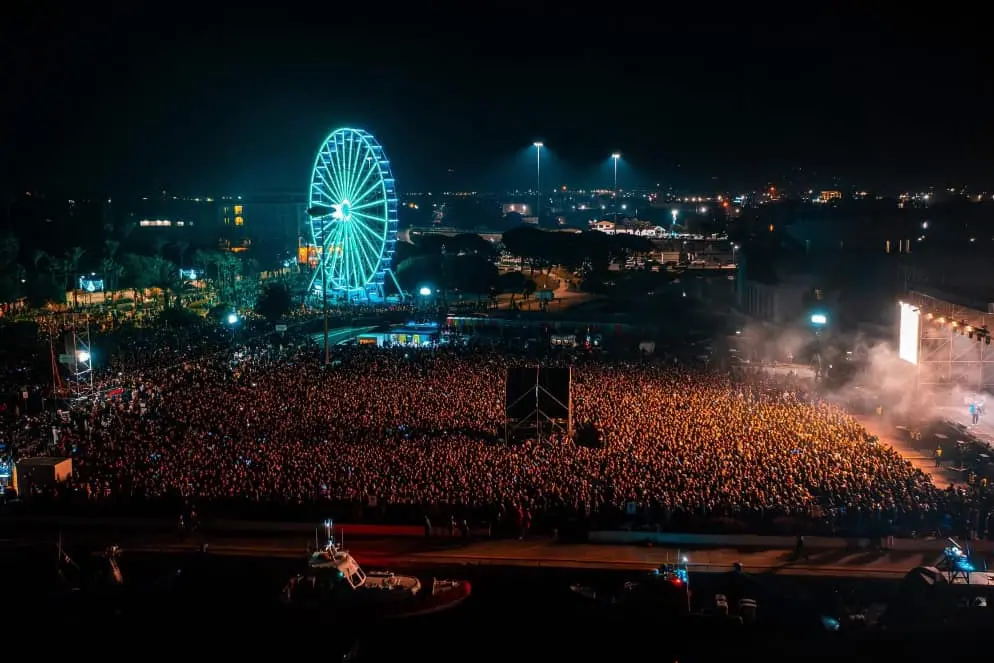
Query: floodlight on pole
318	211
615	157
538	177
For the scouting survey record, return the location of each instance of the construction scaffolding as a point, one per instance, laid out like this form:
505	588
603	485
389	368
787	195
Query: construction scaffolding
954	343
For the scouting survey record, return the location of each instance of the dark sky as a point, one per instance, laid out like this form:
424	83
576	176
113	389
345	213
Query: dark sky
213	102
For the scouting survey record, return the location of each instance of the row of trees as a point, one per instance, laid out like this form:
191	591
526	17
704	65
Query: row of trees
465	263
468	262
589	251
48	277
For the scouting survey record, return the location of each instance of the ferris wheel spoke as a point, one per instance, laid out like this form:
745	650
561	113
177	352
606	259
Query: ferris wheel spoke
369	259
342	169
362	239
369	250
364	186
372	203
355	164
353	171
370	195
338	175
322	186
328	190
370	239
366	169
348	262
329	163
355	264
372	224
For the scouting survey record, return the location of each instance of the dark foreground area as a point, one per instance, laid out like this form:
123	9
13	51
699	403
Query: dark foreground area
197	603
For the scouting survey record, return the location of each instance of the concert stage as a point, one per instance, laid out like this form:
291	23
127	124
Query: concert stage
960	416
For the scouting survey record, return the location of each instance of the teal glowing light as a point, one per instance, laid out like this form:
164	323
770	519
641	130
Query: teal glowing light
353	208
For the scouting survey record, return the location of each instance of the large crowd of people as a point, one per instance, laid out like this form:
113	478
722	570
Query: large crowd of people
406	434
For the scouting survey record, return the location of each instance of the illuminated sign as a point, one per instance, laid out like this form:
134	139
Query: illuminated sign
91	284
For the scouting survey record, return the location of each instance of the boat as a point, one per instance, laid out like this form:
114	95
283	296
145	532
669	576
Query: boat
333	581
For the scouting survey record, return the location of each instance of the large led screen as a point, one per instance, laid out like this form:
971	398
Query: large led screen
907	348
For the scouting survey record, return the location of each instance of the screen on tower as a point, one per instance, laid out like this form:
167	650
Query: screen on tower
907	348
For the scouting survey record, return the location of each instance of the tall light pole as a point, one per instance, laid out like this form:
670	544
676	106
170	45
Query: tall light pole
538	178
616	156
321	213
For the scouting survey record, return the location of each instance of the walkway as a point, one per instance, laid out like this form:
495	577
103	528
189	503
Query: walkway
547	553
942	477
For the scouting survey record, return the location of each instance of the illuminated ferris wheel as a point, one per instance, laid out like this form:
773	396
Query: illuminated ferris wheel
353	216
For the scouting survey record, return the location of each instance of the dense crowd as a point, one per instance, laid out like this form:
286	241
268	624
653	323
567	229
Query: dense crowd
402	434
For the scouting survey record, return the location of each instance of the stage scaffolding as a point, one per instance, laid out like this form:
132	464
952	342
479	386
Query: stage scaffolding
947	355
81	363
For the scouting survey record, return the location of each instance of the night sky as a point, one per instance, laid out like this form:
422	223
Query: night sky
209	103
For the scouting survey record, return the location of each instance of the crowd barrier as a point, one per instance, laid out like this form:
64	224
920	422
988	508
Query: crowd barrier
615	537
673	539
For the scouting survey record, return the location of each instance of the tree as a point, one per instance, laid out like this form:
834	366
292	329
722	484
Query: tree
423	270
529	244
46	285
137	275
274	302
471	244
11	272
471	273
624	245
70	266
165	276
180	247
246	283
111	268
596	248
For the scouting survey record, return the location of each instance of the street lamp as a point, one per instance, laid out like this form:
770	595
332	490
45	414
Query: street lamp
320	212
616	156
538	177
